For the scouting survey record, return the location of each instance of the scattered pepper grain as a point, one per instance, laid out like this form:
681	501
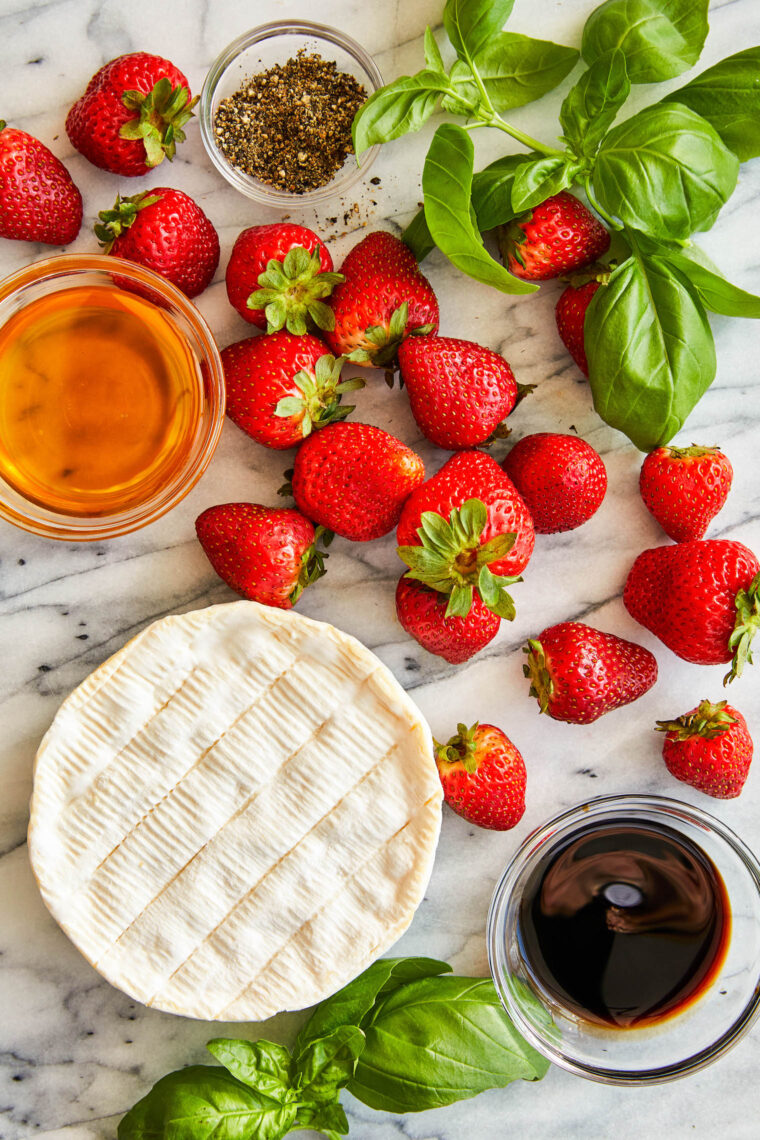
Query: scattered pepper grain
290	126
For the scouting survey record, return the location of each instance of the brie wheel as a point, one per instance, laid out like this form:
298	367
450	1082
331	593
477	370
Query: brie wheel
236	813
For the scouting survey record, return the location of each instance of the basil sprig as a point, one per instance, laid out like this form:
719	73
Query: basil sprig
401	1037
656	179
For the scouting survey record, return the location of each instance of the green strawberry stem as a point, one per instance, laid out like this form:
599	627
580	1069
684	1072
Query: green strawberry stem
747	604
541	684
290	292
312	563
161	115
461	749
693	452
319	403
709	721
452	560
385	341
121	217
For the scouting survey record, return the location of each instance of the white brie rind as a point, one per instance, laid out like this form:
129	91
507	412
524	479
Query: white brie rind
236	813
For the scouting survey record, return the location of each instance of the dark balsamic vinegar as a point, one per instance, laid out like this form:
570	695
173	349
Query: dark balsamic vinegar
625	924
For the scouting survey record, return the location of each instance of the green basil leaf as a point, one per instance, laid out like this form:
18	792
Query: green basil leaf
440	1040
492	190
728	96
328	1063
350	1005
665	171
470	24
329	1118
433	58
202	1102
716	293
447	184
660	38
535	181
417	236
650	349
402	106
515	70
591	106
263	1065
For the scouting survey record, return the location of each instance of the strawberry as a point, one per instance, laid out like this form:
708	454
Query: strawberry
578	673
267	554
701	598
467	533
38	199
277	276
354	479
562	479
709	748
383	299
131	115
166	231
570	311
685	487
460	392
422	613
483	776
281	386
555	237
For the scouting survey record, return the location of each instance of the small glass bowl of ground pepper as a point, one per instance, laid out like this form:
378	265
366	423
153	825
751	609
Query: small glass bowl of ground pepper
276	112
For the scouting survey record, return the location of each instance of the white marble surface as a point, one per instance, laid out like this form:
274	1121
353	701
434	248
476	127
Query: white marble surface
76	1053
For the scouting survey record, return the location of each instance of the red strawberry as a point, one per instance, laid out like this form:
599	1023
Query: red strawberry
562	479
570	314
38	199
422	613
132	114
354	479
277	276
555	237
460	392
702	599
267	554
383	299
466	532
579	673
281	386
709	748
483	776
685	487
166	231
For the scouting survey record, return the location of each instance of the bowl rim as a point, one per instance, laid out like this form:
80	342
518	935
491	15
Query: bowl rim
251	187
79	528
496	927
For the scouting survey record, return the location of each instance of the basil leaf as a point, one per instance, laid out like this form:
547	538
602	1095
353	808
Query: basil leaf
591	106
535	181
328	1063
660	38
402	106
515	70
492	190
728	96
650	349
329	1118
665	171
447	183
470	24
201	1102
440	1040
433	58
417	236
716	293
263	1065
350	1005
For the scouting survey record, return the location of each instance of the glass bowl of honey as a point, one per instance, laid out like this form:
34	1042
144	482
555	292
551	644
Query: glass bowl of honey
111	397
624	939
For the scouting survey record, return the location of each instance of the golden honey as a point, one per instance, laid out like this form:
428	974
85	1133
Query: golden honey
100	399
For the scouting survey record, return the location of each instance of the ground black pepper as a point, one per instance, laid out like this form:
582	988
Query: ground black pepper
290	126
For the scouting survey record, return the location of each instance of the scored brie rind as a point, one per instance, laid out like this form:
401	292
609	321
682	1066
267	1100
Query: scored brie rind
236	813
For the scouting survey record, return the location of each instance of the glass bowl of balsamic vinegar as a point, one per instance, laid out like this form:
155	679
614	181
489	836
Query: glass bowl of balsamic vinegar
624	939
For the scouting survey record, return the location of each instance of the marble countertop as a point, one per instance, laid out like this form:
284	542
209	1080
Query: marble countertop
76	1053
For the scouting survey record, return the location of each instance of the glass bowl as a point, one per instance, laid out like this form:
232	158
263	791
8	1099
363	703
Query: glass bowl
680	1044
182	460
259	50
